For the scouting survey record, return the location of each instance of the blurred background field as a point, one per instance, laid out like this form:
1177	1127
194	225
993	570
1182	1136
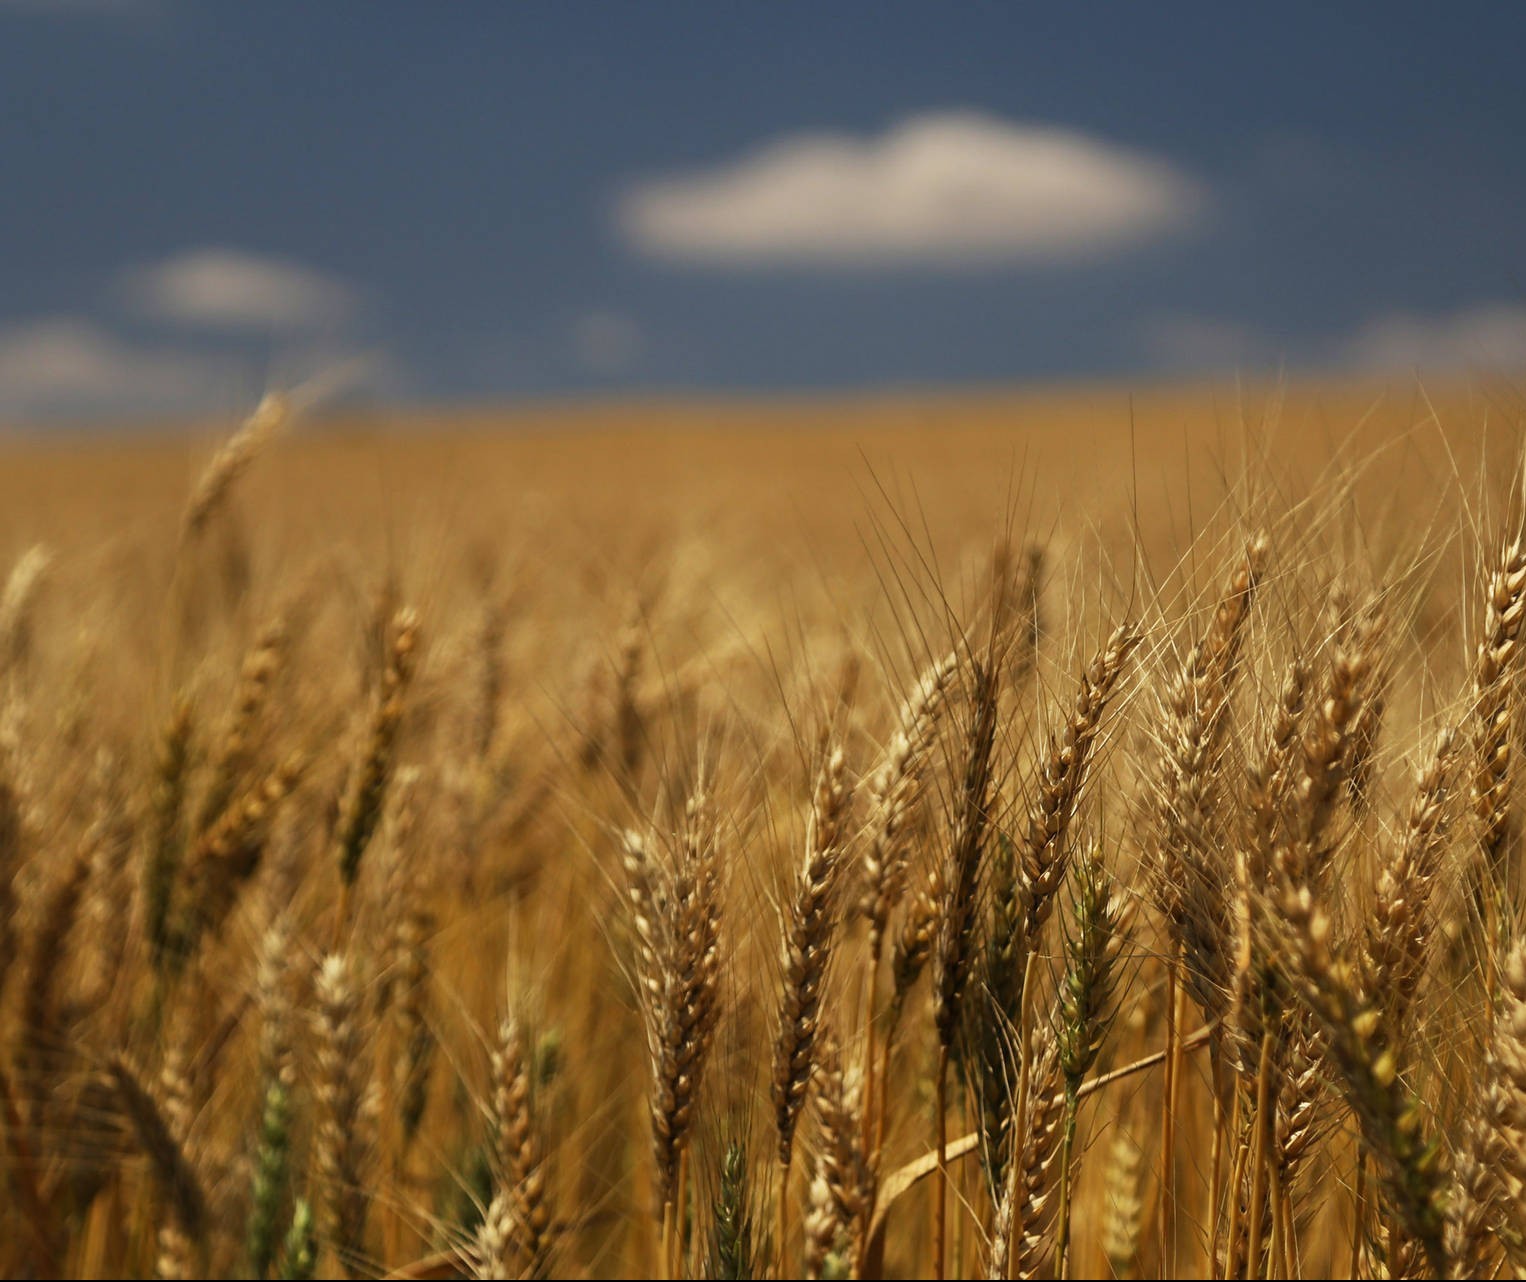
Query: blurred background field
1114	462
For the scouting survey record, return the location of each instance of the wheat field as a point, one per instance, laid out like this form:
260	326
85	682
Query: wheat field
1058	834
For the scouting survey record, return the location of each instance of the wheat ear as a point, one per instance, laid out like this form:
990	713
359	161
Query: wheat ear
731	1236
517	1233
1361	1048
894	793
231	461
341	1088
271	1189
165	1152
807	940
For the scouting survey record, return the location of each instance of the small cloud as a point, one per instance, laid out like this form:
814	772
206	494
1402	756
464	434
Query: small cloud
606	343
940	189
226	289
1488	336
68	367
1199	344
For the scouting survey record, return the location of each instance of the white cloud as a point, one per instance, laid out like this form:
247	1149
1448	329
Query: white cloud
1200	344
64	366
938	189
1490	336
230	290
606	343
1485	337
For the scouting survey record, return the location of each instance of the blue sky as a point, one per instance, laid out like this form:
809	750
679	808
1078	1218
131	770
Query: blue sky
449	202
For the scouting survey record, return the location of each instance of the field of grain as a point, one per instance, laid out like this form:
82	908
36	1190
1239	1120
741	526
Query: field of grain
1060	834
